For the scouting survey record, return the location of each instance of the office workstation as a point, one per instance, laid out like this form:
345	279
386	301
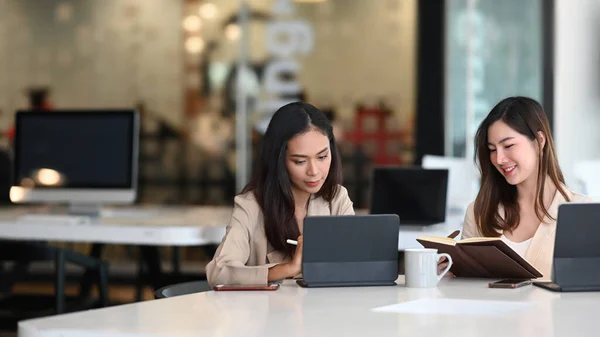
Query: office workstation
67	166
60	198
298	167
342	264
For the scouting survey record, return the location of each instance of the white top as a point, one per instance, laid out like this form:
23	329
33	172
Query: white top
519	247
457	307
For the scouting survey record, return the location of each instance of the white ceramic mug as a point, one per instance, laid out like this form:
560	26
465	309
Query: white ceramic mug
420	267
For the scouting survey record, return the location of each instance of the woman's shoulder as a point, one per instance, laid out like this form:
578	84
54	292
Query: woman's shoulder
469	226
246	198
340	203
341	193
246	209
341	196
577	197
471	207
470	211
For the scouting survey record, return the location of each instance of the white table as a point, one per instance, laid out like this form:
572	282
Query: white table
166	226
136	225
475	310
146	225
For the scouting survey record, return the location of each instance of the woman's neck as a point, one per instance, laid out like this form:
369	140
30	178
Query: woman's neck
301	198
527	191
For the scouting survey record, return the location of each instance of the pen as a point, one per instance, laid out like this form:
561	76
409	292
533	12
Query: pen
454	234
292	242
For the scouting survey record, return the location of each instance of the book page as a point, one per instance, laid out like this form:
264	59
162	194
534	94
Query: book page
437	239
479	239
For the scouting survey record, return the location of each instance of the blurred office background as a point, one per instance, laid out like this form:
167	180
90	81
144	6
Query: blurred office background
400	79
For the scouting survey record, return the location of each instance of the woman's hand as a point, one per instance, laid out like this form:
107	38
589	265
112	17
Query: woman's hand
296	264
442	265
288	270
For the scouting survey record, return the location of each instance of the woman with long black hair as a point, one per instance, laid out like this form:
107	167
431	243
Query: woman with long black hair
298	173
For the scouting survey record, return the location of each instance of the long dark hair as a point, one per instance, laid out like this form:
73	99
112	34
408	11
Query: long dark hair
270	180
527	117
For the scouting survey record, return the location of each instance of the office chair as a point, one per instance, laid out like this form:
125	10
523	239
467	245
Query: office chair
5	175
180	289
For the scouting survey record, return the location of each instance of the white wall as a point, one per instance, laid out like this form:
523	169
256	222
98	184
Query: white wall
577	83
110	51
97	54
363	50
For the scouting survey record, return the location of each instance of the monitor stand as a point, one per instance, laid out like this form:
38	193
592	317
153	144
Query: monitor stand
92	210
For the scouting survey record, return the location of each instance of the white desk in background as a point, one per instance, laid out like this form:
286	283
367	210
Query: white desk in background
147	226
166	226
458	307
144	225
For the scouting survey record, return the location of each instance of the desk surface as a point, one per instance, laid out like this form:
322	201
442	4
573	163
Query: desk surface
457	307
168	226
149	225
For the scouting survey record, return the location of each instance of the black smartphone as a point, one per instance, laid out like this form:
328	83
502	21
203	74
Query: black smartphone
510	283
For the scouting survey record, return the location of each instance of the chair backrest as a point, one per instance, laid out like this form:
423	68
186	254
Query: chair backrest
5	177
587	173
463	179
180	289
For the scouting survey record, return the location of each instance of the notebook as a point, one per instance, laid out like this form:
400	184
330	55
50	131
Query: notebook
482	257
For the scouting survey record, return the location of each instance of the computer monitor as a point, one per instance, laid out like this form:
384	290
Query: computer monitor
416	195
84	158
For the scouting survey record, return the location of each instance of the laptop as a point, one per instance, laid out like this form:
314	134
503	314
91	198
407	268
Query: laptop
350	250
416	195
576	249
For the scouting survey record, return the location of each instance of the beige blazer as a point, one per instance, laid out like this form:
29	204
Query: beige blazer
541	248
244	255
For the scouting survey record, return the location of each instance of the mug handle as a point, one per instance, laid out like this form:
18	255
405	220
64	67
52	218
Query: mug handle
447	268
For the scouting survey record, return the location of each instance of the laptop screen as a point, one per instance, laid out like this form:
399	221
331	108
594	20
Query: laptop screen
416	195
577	247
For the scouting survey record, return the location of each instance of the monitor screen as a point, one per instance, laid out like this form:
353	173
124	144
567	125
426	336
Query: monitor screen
75	149
416	195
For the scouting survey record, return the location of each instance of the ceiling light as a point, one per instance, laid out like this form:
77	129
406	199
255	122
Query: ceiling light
194	45
233	32
192	23
208	11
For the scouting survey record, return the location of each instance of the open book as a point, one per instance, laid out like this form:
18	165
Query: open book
482	257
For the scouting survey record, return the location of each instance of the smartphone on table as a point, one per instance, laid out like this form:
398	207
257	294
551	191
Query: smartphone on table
510	283
246	287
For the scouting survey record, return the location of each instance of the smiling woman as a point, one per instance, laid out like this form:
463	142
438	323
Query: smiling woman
519	167
298	173
522	184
